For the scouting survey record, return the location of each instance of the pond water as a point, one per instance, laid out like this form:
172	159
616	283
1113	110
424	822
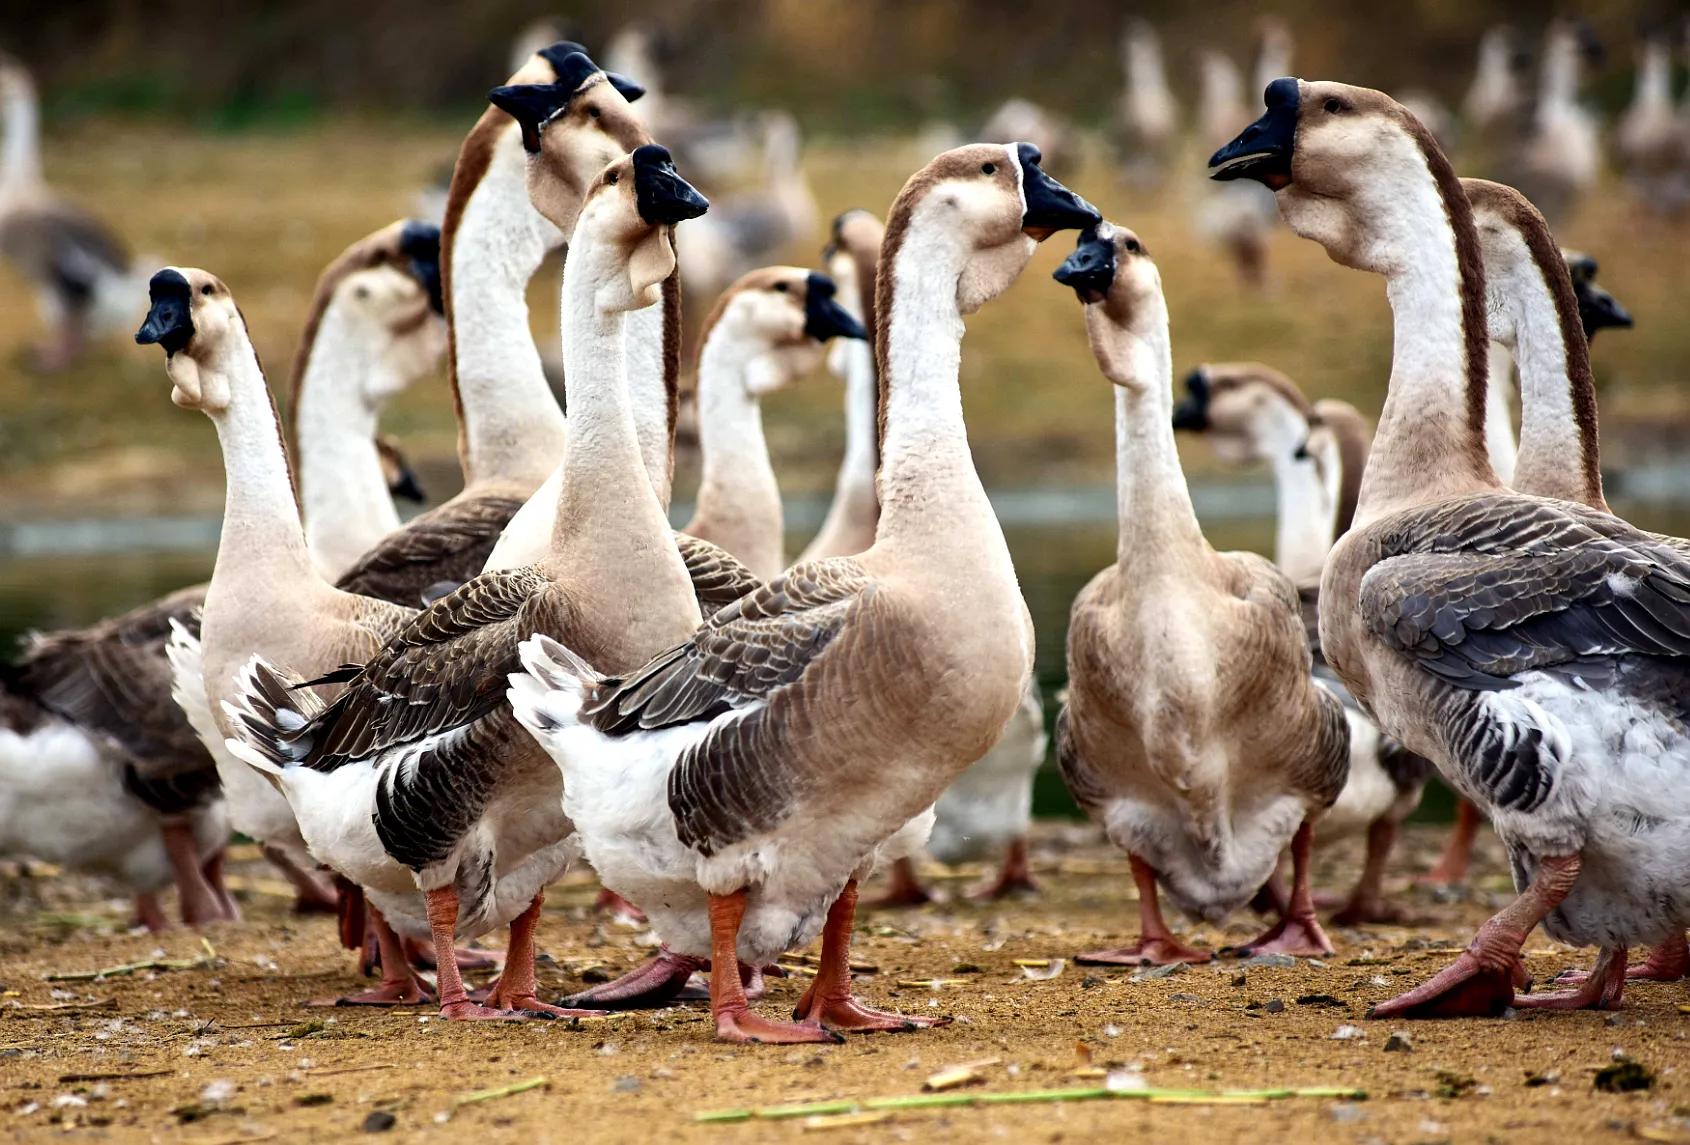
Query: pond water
66	574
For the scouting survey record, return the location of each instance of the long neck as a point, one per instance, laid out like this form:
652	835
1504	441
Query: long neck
927	475
20	155
1157	523
1430	442
855	506
262	536
1654	78
1560	454
1560	79
511	428
341	484
738	498
1307	490
606	500
1499	414
651	345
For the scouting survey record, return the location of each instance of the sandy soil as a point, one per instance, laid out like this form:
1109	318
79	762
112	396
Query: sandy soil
223	1052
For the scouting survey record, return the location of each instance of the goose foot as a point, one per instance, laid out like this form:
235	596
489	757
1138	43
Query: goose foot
467	1011
618	908
1014	878
1668	962
1602	989
743	1027
311	895
514	990
1481	983
848	1015
1366	902
200	904
1453	865
399	985
735	1022
656	982
1298	931
421	955
150	913
212	869
903	889
1156	944
828	1000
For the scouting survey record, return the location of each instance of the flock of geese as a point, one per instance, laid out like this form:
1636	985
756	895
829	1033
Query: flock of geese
426	724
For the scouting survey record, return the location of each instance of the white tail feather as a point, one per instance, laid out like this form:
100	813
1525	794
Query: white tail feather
547	695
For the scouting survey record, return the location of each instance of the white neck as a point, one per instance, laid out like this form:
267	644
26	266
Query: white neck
20	155
341	483
645	338
1654	78
855	509
1552	447
1307	490
262	537
738	498
927	475
1499	414
512	428
1560	82
1157	524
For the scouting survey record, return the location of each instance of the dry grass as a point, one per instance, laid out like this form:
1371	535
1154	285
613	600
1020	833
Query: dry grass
266	211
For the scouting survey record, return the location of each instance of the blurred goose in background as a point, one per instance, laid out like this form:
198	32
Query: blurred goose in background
1558	157
1051	133
84	280
1146	116
1234	217
720	151
1272	58
1652	145
1496	96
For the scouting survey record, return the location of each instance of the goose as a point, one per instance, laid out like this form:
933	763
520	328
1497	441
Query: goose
767	329
1236	218
848	691
852	256
493	239
1251	413
82	273
1649	139
1495	98
1532	648
719	151
1146	116
396	471
1559	156
416	778
1193	732
1052	133
1274	48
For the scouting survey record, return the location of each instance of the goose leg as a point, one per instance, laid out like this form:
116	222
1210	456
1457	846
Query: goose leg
455	1003
655	982
1602	989
1367	901
399	985
149	913
617	907
828	1000
1481	982
1668	962
1015	877
212	869
735	1021
903	888
199	901
515	987
1453	865
1156	943
1298	930
311	896
421	956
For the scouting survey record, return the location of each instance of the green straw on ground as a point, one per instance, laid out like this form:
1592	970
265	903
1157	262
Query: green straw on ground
1028	1096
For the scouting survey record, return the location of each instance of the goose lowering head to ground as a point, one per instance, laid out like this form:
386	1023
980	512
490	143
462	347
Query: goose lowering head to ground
1193	731
848	691
1535	650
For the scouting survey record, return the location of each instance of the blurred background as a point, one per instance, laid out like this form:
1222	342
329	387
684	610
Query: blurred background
257	140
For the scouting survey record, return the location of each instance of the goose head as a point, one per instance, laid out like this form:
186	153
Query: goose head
851	255
194	318
402	480
388	310
629	213
15	81
571	129
1247	411
1598	310
786	315
1347	165
1113	275
982	209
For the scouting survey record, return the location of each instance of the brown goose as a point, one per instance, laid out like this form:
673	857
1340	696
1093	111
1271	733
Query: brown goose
697	780
1193	731
1536	650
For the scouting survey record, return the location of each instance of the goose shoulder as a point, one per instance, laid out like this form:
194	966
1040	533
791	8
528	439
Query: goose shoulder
58	238
449	543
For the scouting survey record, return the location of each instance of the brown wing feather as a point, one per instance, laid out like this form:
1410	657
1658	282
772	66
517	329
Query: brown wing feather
448	543
718	577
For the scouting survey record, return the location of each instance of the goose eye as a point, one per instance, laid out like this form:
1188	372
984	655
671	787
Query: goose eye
1134	245
593	113
781	287
206	289
361	293
612	178
988	168
1334	106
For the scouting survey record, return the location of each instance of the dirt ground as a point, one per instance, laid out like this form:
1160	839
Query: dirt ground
221	1051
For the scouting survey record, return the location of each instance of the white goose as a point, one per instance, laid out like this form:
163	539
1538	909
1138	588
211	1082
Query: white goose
697	781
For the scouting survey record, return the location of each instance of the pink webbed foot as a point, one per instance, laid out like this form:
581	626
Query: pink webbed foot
1145	952
903	889
403	992
655	982
748	1028
1467	989
526	1005
1601	989
467	1011
618	908
1298	935
1356	911
848	1015
421	956
1668	962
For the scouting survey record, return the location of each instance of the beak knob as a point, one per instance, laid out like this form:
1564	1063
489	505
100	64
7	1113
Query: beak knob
1090	270
663	196
1263	150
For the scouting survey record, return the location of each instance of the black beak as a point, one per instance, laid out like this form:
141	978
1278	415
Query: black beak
1192	411
1051	207
419	242
169	323
1263	150
630	90
663	196
406	486
1090	270
823	317
1590	44
533	105
1301	453
1599	310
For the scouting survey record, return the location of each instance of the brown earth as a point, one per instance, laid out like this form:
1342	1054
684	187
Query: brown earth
222	1052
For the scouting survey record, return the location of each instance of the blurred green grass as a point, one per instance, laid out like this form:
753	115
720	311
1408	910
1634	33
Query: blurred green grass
266	210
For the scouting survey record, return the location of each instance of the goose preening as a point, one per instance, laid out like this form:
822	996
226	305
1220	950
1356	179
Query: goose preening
848	691
1194	732
1651	143
1251	414
1146	116
767	329
83	276
1558	156
416	777
1532	648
